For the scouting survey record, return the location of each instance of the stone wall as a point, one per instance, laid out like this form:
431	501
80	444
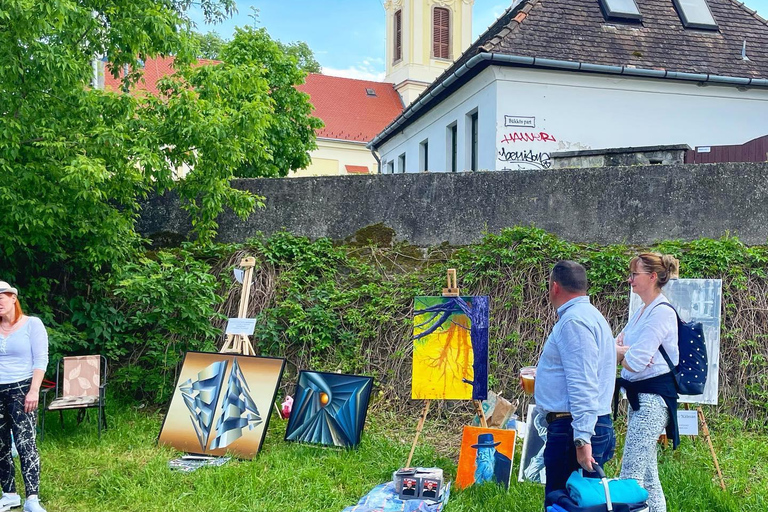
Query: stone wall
638	205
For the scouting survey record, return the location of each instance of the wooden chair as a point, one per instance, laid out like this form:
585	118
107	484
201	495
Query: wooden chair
80	383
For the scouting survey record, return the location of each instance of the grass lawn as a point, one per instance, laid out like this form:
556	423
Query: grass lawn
127	471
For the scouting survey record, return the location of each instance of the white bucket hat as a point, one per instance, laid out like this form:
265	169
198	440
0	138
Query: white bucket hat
6	288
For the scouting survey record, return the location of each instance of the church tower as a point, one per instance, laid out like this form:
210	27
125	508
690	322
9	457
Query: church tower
424	37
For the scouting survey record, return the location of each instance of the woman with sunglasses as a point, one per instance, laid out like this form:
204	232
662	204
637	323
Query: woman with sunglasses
23	359
645	375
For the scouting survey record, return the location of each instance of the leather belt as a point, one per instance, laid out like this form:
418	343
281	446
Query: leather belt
553	416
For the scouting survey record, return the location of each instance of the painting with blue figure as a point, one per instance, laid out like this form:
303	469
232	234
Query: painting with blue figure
329	409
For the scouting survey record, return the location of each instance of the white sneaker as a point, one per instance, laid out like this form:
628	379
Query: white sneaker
9	501
33	505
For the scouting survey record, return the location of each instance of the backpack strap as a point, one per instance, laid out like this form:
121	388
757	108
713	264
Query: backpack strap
661	346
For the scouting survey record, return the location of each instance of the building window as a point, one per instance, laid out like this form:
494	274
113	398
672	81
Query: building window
398	53
441	33
453	147
424	156
472	139
391	167
401	162
696	14
621	10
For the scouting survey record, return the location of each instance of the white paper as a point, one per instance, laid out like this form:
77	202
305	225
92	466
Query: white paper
688	423
244	326
239	275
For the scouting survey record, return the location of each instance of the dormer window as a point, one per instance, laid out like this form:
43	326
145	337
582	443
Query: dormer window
622	10
370	92
695	14
441	33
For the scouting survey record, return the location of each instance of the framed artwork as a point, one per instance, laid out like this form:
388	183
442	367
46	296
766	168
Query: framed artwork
329	409
450	348
486	456
532	458
222	403
696	300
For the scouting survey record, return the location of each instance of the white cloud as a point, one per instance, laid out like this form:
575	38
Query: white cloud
362	72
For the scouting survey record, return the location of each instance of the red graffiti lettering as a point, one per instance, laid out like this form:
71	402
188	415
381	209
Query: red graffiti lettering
529	137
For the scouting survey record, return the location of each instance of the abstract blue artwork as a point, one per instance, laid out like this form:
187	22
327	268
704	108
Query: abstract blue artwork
329	408
222	404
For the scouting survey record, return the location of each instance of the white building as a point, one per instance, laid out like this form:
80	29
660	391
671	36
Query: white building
556	75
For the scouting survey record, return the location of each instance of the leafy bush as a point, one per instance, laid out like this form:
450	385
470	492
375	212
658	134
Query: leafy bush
147	316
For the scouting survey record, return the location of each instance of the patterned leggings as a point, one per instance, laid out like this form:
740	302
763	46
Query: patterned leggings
13	417
641	447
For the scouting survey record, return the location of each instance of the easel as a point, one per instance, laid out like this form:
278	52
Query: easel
705	433
452	290
240	343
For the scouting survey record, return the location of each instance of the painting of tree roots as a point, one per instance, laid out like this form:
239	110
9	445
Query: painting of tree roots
450	348
222	403
329	409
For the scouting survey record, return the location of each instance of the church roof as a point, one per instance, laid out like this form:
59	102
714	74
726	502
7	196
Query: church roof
353	110
154	69
575	35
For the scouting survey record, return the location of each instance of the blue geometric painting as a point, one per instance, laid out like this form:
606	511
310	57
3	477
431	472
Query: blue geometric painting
200	398
329	409
222	404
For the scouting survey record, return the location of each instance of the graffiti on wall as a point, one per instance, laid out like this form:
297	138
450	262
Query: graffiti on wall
521	148
525	159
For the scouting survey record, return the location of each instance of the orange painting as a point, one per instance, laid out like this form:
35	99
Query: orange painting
486	456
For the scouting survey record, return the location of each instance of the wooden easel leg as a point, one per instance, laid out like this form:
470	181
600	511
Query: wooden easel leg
480	413
419	427
705	432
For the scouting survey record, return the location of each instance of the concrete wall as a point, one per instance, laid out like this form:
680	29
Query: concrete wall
605	205
527	114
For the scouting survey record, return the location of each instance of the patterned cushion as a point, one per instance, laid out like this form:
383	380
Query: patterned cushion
73	402
81	376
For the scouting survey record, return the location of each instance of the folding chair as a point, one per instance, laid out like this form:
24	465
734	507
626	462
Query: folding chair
80	383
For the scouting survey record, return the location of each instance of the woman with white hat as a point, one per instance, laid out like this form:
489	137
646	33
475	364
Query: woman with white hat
23	360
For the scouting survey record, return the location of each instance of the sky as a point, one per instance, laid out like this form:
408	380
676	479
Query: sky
347	36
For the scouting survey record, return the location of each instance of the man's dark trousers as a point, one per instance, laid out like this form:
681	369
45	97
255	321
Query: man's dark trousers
560	452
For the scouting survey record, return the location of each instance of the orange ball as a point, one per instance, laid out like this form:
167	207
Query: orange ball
324	398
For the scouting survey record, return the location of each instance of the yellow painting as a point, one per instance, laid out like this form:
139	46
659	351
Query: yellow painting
450	348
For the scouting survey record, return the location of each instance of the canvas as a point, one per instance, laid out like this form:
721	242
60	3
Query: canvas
450	348
532	458
329	409
696	300
222	403
486	456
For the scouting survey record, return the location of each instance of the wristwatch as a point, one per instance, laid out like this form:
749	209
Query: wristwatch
579	442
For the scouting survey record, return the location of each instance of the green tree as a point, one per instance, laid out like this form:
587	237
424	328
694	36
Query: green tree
304	56
290	133
209	45
75	161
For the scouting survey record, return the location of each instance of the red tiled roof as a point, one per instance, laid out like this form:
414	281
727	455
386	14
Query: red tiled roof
357	169
154	69
346	108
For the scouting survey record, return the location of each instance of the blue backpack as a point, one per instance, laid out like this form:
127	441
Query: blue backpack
691	371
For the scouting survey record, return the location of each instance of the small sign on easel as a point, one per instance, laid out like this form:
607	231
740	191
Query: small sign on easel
242	326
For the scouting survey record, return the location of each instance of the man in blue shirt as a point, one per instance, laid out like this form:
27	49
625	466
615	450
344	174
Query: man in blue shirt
575	379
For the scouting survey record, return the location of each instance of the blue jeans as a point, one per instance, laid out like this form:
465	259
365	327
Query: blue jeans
560	452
